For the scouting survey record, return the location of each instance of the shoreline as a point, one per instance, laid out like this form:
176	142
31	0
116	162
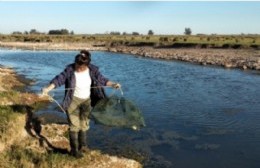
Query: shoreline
22	142
227	58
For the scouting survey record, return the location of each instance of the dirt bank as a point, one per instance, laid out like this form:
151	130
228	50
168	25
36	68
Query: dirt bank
228	58
27	143
50	46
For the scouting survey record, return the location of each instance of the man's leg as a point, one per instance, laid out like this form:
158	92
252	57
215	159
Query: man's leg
74	145
73	114
84	125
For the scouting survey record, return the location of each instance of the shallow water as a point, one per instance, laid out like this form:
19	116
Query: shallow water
196	116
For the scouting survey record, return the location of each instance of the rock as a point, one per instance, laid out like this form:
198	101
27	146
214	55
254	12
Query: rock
257	67
228	65
258	60
244	67
134	52
207	146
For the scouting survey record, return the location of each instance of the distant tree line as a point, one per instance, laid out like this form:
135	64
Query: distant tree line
115	33
60	32
150	32
51	32
187	31
66	32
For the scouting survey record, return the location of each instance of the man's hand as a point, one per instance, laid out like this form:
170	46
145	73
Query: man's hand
113	84
46	90
116	85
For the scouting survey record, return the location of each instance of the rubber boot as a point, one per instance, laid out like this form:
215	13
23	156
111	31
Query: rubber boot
74	145
83	142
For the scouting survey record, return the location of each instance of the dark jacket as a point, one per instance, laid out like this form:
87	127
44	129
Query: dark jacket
68	78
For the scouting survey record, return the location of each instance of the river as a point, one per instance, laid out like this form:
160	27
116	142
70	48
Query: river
196	116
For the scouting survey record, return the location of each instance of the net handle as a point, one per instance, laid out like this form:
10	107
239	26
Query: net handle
114	91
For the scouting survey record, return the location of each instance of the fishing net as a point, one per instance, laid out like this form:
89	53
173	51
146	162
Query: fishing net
119	112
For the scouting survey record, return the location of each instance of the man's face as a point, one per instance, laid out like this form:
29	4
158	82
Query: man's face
81	68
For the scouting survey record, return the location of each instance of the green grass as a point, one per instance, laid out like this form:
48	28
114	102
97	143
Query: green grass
6	116
10	95
19	156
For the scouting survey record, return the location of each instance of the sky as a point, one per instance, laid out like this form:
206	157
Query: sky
163	17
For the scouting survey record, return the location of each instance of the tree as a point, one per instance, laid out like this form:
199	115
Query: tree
187	31
114	33
59	32
64	31
135	33
34	31
150	32
54	32
17	32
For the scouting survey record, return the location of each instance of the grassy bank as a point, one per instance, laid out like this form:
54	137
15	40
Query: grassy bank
24	142
158	41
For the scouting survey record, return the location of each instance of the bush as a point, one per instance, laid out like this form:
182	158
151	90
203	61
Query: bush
135	33
187	31
59	32
114	33
163	39
150	32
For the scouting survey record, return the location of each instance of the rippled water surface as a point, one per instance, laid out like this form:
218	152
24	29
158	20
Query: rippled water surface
196	116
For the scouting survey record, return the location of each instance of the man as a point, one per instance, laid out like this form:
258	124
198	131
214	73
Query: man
83	88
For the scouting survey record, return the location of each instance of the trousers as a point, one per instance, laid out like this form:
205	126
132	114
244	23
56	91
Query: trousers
78	114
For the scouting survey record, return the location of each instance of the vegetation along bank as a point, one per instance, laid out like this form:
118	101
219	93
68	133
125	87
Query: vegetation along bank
229	51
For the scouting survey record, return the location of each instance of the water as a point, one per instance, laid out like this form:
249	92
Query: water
196	116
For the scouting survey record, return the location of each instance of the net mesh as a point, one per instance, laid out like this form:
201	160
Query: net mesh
119	112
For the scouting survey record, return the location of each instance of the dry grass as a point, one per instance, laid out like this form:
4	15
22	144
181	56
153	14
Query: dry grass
152	40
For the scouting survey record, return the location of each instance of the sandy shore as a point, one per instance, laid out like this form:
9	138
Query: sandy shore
228	58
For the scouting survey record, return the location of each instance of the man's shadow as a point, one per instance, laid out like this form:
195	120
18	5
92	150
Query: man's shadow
33	127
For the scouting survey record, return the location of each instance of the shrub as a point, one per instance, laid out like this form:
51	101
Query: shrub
163	39
187	31
150	32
